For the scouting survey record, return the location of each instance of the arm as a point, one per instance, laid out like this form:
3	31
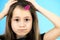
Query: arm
55	32
52	34
5	10
1	15
51	16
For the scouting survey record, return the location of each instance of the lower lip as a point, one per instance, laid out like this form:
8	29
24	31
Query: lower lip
21	30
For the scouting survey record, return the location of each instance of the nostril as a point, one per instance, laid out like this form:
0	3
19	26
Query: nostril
21	24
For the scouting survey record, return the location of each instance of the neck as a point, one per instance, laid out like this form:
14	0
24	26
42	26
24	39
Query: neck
20	36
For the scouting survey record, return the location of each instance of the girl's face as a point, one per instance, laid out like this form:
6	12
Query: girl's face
21	21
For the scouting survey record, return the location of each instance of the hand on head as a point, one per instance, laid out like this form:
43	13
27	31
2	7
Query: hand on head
30	1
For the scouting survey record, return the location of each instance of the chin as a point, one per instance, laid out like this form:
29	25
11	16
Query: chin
22	34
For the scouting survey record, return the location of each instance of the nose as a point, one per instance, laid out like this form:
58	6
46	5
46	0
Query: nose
21	24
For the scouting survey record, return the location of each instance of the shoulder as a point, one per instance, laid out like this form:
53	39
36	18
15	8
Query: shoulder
2	37
42	36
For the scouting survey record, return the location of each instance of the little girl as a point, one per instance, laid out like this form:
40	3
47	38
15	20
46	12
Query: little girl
31	7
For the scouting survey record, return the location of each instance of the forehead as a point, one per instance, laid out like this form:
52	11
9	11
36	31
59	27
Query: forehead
18	11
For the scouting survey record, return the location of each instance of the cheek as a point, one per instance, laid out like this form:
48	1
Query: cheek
14	26
29	26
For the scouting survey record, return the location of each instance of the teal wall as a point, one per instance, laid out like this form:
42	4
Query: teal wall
44	24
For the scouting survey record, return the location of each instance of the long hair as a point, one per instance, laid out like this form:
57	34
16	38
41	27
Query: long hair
34	33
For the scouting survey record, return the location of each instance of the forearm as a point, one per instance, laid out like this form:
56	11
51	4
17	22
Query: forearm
6	8
3	13
52	34
52	17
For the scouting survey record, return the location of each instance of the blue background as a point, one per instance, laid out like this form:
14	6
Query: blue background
44	24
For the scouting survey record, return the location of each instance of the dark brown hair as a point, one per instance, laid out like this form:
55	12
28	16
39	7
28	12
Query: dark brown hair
34	33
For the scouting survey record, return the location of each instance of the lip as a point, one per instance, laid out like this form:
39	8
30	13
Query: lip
22	30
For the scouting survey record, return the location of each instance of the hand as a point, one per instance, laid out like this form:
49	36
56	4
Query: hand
10	2
5	10
31	1
7	6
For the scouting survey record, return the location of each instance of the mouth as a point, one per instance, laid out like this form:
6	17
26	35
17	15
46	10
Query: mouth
22	30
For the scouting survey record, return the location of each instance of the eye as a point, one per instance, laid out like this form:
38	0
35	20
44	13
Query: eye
26	19
16	19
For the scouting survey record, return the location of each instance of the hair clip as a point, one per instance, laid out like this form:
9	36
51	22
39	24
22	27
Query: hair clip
27	7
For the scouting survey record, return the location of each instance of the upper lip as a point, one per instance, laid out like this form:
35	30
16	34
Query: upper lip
21	29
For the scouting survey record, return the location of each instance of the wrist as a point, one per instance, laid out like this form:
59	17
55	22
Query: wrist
36	5
5	11
57	28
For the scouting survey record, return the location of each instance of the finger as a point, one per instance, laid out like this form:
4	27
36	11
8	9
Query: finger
10	3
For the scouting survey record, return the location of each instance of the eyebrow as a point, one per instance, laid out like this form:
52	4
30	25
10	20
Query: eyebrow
27	17
16	17
24	17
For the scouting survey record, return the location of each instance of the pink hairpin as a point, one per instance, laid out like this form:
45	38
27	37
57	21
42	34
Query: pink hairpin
27	7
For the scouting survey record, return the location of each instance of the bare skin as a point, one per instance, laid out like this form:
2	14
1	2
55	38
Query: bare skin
55	32
5	10
52	34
